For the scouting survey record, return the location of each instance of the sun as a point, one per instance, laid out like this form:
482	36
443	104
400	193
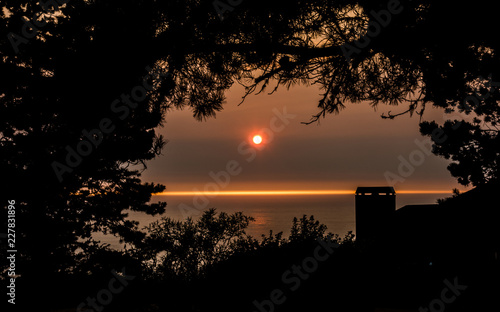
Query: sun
257	139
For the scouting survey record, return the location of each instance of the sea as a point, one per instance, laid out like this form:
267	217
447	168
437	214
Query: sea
273	212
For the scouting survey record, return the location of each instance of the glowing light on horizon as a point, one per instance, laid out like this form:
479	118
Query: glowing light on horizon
291	192
257	139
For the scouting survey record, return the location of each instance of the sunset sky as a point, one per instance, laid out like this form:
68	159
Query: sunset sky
355	148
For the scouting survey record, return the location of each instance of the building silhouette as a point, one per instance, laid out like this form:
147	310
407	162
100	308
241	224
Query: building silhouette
375	207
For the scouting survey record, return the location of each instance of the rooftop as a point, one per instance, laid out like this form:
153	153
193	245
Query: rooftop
375	190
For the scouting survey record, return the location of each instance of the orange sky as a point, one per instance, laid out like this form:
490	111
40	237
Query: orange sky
291	192
343	151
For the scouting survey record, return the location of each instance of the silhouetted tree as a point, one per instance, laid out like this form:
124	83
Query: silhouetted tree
472	146
305	229
70	157
186	248
72	67
189	247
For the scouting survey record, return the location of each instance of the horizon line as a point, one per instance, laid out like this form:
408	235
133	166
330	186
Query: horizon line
289	192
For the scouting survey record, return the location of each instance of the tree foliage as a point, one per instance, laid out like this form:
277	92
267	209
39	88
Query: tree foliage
471	140
65	66
187	248
304	229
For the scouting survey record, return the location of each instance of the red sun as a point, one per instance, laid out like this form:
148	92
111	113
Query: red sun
257	139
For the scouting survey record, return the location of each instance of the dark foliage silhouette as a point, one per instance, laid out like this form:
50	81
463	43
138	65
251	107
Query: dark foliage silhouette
64	67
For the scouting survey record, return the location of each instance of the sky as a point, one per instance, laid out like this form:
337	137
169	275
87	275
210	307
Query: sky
354	148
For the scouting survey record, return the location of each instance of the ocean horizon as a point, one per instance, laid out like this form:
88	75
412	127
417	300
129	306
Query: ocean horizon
274	212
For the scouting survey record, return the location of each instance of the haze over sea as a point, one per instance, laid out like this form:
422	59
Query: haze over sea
276	212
